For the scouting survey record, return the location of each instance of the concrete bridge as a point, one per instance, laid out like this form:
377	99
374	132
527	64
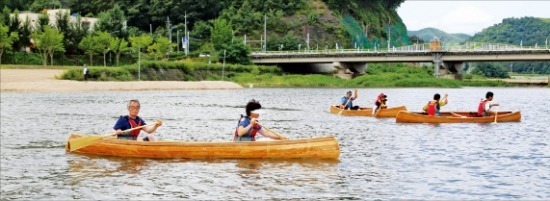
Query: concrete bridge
447	60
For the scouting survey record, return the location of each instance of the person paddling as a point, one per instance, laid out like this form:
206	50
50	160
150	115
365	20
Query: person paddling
484	106
433	107
133	120
248	125
347	101
381	102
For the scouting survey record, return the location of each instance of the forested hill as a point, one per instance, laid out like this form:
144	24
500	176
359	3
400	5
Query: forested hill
348	23
527	31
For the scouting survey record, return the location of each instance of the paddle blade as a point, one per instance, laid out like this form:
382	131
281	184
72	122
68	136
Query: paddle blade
83	142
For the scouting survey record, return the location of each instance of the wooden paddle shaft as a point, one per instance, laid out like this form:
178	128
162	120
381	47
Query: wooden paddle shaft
349	99
132	129
89	140
279	135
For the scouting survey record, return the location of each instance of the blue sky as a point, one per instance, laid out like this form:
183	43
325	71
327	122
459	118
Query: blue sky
467	17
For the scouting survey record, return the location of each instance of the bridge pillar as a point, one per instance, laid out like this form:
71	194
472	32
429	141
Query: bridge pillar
347	70
453	70
437	63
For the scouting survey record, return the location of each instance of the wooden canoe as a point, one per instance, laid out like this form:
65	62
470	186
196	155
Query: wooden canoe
457	117
319	148
367	111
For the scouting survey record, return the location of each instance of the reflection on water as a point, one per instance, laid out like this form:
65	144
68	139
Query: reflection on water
379	159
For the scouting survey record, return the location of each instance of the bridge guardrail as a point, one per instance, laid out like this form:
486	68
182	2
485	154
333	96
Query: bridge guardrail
411	49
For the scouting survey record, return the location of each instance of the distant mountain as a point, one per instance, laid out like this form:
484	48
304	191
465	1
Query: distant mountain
427	34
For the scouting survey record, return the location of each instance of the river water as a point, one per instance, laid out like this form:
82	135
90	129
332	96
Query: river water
380	159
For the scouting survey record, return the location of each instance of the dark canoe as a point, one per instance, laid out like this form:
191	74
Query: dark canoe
319	147
457	117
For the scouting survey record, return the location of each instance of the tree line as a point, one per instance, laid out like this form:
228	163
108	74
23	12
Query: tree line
109	35
290	24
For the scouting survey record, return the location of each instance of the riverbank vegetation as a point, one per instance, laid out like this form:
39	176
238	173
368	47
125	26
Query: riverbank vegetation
378	75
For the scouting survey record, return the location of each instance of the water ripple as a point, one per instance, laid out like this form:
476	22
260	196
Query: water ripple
380	159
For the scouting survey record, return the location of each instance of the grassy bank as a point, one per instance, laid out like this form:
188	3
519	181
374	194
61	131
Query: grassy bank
378	75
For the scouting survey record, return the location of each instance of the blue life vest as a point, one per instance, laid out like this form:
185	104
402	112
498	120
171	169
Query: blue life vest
345	100
250	135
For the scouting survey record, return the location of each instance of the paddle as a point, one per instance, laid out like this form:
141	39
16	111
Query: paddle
349	99
376	114
89	140
496	114
279	135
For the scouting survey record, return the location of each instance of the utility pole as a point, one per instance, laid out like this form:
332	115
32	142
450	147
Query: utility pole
186	36
169	28
307	41
389	33
265	33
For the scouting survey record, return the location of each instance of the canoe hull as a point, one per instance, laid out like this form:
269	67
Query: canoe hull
367	111
457	117
321	148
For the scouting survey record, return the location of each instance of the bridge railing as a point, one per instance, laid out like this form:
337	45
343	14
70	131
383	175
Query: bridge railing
415	48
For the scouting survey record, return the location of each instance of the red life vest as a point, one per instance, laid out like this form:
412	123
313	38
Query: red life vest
134	133
481	107
432	108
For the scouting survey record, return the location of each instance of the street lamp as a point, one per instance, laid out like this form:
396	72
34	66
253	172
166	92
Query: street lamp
178	41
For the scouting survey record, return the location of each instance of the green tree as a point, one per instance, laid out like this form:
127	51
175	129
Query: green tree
16	4
112	21
102	42
48	42
491	70
221	33
77	31
25	31
63	25
89	46
235	52
201	30
39	5
160	48
14	25
5	18
118	46
43	20
6	39
140	42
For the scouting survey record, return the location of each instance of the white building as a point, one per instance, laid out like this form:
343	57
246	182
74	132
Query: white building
33	17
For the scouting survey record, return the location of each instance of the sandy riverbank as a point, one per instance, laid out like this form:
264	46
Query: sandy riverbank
44	80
